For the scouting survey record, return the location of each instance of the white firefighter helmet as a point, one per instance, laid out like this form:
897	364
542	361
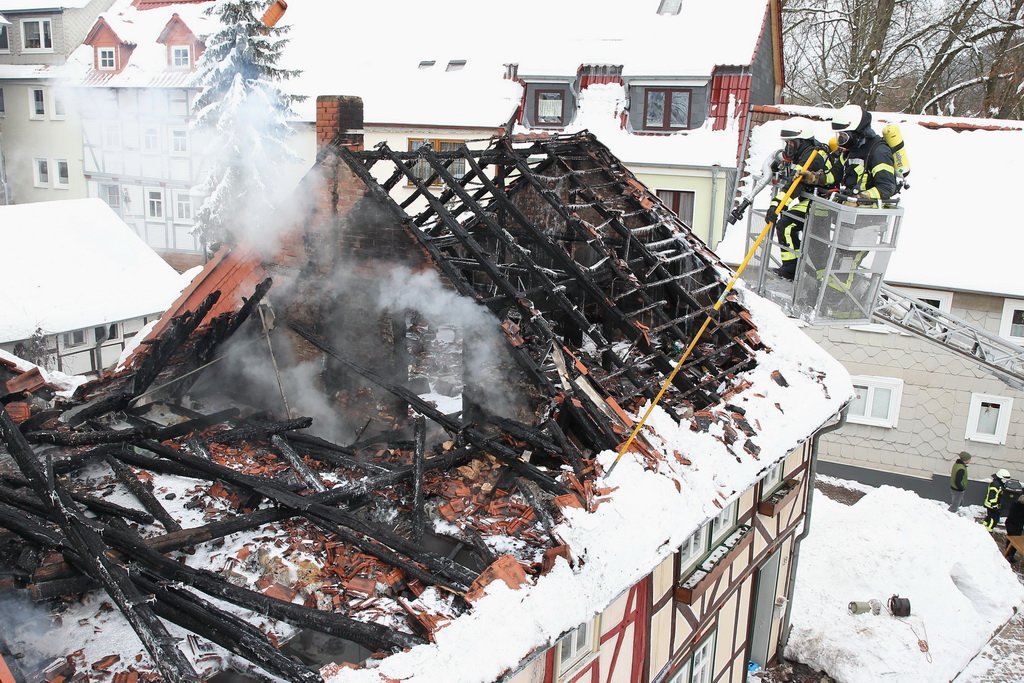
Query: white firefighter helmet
847	118
797	128
1003	474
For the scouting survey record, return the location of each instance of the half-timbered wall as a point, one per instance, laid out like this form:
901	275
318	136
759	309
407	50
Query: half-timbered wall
651	631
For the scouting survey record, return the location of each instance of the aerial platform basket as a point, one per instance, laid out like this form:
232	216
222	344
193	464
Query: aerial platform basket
843	258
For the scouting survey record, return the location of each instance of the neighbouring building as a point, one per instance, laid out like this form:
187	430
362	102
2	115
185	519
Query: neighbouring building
78	284
918	404
134	96
676	117
40	133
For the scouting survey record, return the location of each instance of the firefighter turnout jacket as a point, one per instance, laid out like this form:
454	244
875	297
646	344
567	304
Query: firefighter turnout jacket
797	207
868	166
994	494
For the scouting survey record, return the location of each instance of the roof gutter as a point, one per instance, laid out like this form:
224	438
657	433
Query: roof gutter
812	473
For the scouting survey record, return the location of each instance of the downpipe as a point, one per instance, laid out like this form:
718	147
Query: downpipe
812	474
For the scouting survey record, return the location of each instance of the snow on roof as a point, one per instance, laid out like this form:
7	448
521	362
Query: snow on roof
959	231
616	541
890	542
599	108
379	59
147	66
30	5
75	263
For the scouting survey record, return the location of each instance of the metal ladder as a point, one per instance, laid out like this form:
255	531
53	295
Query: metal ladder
1003	359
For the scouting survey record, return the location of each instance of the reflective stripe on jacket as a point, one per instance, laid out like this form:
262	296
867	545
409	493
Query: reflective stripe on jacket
993	494
868	167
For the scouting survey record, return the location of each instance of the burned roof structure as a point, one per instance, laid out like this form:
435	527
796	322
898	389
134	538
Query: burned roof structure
242	528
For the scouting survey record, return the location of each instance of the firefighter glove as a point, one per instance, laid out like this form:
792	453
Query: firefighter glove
810	177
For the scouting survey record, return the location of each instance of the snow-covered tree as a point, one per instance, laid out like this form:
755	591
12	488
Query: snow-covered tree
938	56
243	112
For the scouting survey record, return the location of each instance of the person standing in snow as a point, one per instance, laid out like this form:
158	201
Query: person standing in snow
958	481
1014	524
994	499
798	136
868	170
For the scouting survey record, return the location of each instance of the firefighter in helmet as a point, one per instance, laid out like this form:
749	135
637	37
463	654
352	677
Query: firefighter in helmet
865	158
994	498
800	145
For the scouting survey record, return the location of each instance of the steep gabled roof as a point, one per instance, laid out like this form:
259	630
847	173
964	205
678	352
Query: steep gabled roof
176	23
101	30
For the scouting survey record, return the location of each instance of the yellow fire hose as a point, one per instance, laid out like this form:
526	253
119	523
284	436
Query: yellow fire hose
718	304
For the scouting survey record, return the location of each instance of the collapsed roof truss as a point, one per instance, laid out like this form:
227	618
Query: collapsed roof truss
605	261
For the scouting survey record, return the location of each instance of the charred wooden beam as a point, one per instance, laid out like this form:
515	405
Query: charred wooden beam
306	475
474	436
65	438
234	634
132	603
142	493
372	636
194	424
262	431
569	450
462	285
545	518
377	538
417	479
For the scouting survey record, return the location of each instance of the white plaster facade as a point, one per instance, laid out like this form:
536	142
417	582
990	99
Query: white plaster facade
39	132
932	406
141	158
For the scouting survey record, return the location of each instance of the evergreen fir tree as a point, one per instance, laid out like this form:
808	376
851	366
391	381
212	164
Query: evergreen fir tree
243	113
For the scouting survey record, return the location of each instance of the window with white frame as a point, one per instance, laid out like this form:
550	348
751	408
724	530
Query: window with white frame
693	549
771	480
74	338
988	419
179	141
574	646
36	35
933	297
154	203
59	110
699	666
708	537
5	40
112	136
111	194
63	179
181	57
876	401
182	206
1011	325
41	172
150	140
106	58
37	103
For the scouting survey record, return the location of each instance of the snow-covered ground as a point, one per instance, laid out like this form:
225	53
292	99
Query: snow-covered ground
961	591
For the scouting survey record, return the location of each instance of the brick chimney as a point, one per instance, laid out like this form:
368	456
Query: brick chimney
339	121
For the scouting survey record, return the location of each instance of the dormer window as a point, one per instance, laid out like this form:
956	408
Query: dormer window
181	57
106	58
666	108
550	107
36	35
